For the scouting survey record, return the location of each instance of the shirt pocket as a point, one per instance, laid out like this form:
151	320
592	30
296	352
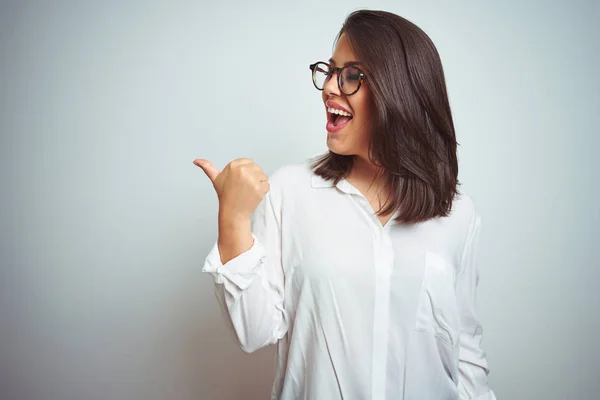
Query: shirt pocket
437	312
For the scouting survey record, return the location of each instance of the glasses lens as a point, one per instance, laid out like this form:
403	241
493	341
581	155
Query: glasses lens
320	75
350	79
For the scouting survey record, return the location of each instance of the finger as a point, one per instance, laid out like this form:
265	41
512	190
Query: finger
253	168
265	186
210	170
242	161
250	169
261	176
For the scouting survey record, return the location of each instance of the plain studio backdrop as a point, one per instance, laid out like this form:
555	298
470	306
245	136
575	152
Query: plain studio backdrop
106	222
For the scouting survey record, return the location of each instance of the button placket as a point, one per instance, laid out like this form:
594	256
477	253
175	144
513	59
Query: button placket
383	265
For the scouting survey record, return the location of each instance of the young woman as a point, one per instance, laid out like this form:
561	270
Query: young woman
362	304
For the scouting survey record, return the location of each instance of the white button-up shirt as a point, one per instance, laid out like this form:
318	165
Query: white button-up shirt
357	310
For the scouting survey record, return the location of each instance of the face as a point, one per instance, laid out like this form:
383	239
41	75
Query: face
351	137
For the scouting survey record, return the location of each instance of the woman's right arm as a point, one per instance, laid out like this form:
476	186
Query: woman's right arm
246	265
250	286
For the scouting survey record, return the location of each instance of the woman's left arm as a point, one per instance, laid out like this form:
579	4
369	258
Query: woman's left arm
473	366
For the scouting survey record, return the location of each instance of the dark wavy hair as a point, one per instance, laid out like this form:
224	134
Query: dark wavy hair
413	140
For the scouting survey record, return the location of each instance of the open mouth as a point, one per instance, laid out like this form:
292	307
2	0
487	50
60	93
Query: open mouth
337	119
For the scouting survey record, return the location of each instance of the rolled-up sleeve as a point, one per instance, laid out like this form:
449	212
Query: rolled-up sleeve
473	366
250	287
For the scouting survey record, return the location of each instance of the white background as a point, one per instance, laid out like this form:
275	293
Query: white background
105	221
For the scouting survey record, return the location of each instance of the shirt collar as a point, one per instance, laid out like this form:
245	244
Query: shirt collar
318	182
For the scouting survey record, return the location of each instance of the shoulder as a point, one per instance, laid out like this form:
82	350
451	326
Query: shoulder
464	216
291	175
288	183
463	208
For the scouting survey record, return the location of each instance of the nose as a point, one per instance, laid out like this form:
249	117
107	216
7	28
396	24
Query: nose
331	87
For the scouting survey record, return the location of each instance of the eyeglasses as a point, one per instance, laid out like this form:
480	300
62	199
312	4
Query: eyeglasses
349	77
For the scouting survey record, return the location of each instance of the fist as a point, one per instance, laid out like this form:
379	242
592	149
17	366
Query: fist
240	187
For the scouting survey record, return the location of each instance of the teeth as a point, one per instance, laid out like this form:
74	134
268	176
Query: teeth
339	112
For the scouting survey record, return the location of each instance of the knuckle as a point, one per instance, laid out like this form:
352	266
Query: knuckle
238	168
243	170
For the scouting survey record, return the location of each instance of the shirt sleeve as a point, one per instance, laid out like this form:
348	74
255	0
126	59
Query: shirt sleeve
250	287
473	366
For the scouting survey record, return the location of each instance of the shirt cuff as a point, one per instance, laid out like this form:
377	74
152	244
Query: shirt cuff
239	271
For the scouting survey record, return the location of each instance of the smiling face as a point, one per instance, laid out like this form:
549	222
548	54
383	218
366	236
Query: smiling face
346	137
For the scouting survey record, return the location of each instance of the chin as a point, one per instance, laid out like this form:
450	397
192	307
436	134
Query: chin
339	150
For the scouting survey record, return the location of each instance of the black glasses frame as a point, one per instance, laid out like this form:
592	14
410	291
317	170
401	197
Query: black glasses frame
338	71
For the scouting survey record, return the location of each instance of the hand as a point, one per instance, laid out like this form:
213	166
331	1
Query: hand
240	187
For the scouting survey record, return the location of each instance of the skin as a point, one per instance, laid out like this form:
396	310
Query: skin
353	140
240	187
242	184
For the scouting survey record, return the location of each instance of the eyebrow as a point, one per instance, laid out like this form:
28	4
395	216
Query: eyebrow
332	61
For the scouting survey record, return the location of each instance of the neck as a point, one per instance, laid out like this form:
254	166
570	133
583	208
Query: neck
364	172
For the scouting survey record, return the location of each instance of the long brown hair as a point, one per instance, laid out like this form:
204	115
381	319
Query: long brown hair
413	139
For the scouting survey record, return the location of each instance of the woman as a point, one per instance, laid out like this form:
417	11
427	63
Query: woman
361	304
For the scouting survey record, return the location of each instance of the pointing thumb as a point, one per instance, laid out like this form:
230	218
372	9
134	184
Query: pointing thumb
210	170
